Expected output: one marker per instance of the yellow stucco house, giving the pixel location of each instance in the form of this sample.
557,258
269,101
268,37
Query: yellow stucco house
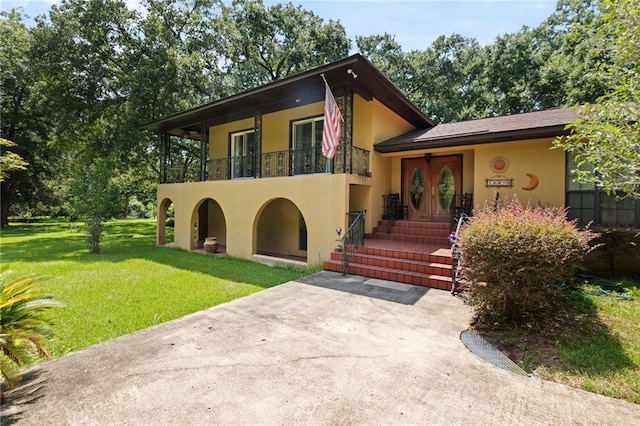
261,186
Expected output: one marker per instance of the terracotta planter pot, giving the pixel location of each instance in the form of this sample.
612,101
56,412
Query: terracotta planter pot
211,244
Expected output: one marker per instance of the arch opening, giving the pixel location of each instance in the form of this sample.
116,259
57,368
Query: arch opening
208,220
281,231
166,222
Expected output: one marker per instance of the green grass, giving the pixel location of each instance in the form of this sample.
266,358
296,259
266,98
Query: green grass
594,344
132,284
604,355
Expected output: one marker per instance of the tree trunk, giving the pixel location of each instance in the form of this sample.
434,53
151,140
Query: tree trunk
126,206
5,202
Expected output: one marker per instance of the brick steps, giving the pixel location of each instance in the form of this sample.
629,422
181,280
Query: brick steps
389,274
424,239
411,252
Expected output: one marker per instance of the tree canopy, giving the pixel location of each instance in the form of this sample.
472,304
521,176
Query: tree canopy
605,139
77,85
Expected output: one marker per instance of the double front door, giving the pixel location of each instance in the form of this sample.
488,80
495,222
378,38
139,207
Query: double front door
429,184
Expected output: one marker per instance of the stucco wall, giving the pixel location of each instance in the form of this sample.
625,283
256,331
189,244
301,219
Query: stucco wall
385,124
527,156
322,199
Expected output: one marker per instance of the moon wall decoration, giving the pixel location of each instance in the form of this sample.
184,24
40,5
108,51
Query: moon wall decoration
533,182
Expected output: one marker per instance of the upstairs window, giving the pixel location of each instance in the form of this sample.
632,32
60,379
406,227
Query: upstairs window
243,152
306,146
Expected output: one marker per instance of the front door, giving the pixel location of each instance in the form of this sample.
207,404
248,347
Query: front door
429,184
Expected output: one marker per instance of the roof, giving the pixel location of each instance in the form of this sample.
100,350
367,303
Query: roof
300,89
530,125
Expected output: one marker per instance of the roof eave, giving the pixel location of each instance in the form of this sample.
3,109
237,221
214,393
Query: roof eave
474,139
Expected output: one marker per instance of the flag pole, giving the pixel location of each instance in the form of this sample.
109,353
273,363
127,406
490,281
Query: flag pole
334,99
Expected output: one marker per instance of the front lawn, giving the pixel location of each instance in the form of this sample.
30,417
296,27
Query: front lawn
593,344
132,284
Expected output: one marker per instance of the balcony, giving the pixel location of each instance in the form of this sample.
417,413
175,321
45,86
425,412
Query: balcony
275,164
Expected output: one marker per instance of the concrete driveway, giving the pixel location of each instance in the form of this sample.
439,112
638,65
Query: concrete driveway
307,352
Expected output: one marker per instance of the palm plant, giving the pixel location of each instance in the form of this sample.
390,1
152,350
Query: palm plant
24,325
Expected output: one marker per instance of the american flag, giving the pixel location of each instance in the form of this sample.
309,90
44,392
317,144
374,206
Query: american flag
331,128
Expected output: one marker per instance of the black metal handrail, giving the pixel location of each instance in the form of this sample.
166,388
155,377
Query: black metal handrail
219,168
456,252
181,174
243,166
286,163
461,204
307,161
275,164
353,238
360,161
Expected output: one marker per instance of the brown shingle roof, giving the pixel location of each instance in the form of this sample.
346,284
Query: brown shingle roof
530,125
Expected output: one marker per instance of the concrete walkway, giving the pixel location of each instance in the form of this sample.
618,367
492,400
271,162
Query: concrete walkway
327,350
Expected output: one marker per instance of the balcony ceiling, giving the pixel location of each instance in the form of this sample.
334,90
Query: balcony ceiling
300,89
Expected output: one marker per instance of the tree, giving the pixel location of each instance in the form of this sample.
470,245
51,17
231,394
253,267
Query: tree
605,136
444,80
512,69
265,44
563,43
449,79
387,55
9,161
23,120
95,198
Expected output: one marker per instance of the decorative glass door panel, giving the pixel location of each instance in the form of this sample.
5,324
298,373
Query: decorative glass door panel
445,182
415,194
446,188
416,189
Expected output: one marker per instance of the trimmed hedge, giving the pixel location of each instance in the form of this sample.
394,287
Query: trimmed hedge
516,258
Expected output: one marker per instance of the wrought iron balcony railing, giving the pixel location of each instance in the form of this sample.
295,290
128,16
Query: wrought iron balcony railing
273,164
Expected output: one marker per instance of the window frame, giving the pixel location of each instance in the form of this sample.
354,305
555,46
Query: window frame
297,165
592,199
233,156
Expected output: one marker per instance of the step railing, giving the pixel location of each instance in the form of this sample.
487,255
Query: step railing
456,253
393,209
353,238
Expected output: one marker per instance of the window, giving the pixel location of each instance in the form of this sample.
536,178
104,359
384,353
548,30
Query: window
589,204
306,146
243,151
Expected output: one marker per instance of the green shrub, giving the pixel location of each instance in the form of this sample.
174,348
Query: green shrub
515,259
137,210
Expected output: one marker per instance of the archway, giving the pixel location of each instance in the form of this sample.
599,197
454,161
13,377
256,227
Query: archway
208,221
166,221
281,231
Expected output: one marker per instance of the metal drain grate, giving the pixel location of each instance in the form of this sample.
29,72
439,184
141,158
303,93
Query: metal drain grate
486,351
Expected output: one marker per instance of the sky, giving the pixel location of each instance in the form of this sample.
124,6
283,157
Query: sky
414,23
